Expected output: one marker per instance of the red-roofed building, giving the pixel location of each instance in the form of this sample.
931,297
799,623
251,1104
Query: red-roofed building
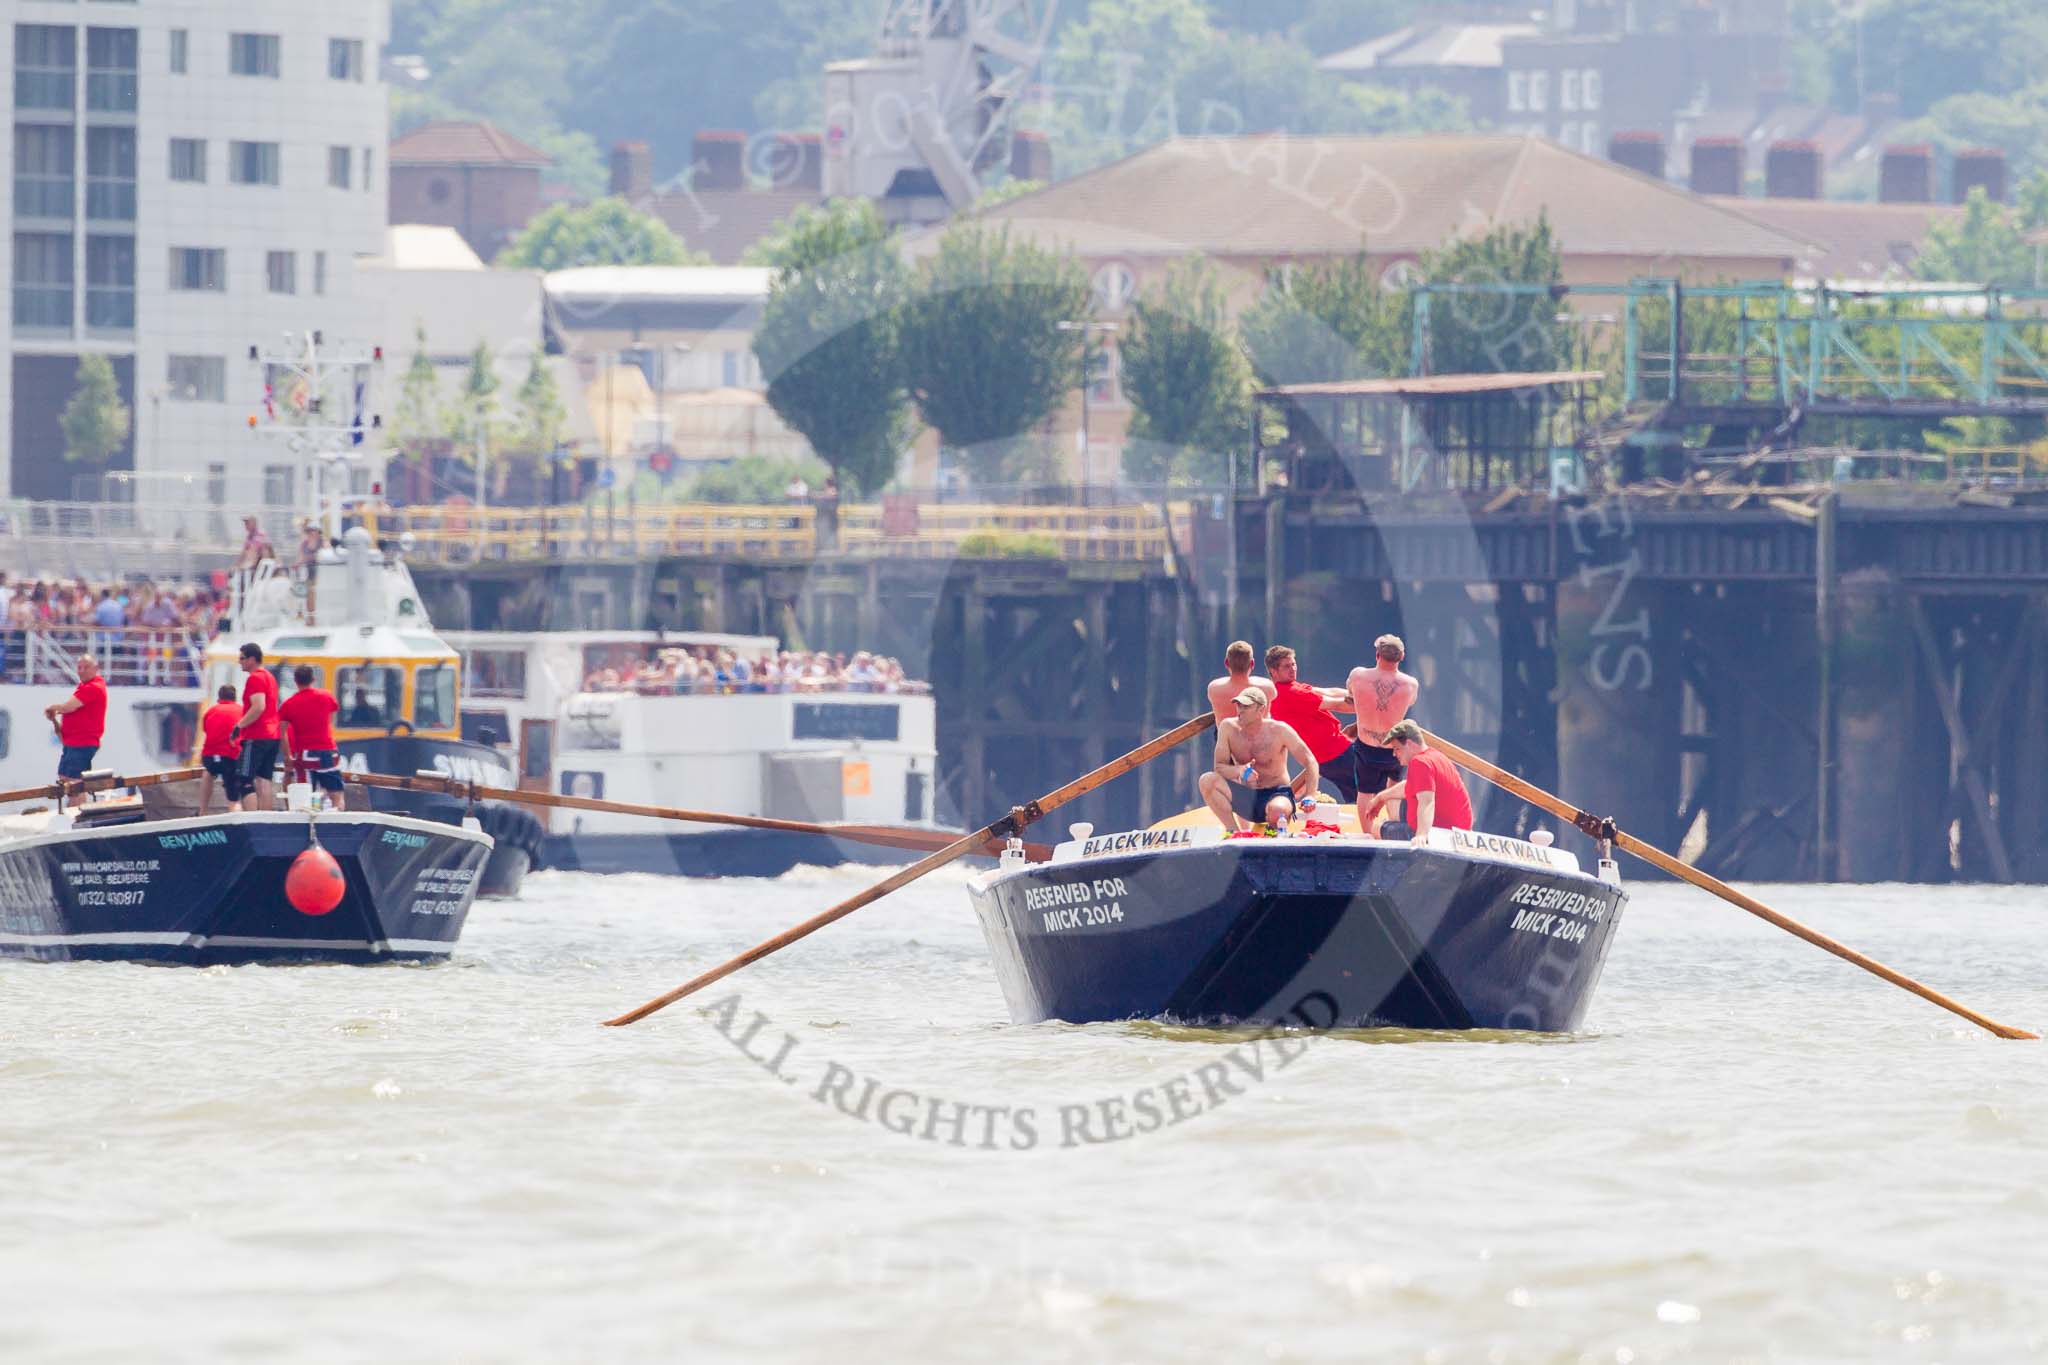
475,178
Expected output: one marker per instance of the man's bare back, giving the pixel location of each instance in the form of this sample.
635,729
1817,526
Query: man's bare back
1382,695
1223,692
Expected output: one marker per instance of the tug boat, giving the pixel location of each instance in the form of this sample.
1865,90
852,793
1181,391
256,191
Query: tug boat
1180,923
111,885
357,619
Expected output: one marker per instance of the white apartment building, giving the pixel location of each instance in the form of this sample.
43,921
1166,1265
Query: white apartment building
189,179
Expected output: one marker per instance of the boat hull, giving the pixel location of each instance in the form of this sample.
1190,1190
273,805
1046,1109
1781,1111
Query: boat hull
211,890
517,831
1309,932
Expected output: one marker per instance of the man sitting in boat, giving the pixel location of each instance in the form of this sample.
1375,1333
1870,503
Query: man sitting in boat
220,753
1253,748
81,719
1434,791
1223,691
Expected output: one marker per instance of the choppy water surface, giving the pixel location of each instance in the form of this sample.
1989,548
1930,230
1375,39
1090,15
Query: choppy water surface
1756,1153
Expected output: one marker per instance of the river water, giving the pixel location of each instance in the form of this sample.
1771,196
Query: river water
1754,1153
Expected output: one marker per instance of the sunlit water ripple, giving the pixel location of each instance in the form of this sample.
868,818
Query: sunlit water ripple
1754,1153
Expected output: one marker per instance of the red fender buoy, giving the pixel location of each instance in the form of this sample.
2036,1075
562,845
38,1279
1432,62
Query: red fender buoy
314,884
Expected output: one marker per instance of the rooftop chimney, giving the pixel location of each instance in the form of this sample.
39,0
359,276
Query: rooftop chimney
796,161
632,172
1030,157
719,160
1979,168
1792,170
1639,150
1906,175
1717,165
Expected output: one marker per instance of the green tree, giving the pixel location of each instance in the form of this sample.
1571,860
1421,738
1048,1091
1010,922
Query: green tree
1928,50
476,410
540,408
1489,333
752,479
608,232
1189,385
418,417
95,422
829,340
1327,320
1116,72
997,195
985,356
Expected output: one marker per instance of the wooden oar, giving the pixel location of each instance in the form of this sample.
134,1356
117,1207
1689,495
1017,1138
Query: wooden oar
1012,823
888,836
1599,828
81,786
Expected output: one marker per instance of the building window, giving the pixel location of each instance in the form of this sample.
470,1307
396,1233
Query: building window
254,54
45,66
345,59
277,485
1103,389
338,167
188,160
110,283
45,165
200,269
1568,90
252,163
281,272
110,174
42,279
181,43
319,272
1539,91
369,181
438,190
1518,91
1589,88
197,378
1568,133
1589,138
110,61
1113,287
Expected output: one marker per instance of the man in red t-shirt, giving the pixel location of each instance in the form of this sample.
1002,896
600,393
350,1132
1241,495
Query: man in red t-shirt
1307,710
220,753
308,716
1435,793
257,729
81,719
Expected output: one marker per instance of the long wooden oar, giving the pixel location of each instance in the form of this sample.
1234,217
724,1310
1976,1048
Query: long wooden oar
83,786
1599,828
1015,821
887,836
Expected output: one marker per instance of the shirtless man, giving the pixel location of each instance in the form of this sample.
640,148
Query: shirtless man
1237,664
1252,737
1381,695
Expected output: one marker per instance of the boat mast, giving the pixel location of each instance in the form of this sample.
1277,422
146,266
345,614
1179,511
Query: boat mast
317,402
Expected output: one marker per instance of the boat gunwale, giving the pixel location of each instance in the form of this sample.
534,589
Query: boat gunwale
262,817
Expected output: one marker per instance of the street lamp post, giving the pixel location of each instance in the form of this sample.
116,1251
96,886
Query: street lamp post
1086,328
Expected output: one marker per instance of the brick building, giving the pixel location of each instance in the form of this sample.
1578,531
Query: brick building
475,178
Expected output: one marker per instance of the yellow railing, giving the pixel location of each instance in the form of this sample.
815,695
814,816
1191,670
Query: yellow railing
464,535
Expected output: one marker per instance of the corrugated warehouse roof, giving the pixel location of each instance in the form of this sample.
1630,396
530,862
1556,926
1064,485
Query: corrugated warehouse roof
1277,195
1437,385
612,284
464,144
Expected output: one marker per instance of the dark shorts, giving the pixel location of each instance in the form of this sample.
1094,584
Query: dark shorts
326,767
76,760
1377,768
259,759
228,770
1260,797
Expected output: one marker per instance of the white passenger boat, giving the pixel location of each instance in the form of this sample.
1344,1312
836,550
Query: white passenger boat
864,757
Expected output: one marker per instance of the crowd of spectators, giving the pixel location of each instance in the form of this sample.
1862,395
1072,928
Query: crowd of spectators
141,632
701,669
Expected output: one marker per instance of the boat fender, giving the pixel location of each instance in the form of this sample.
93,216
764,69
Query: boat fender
313,883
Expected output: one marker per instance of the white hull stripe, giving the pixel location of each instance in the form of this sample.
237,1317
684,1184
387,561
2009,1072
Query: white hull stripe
197,942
